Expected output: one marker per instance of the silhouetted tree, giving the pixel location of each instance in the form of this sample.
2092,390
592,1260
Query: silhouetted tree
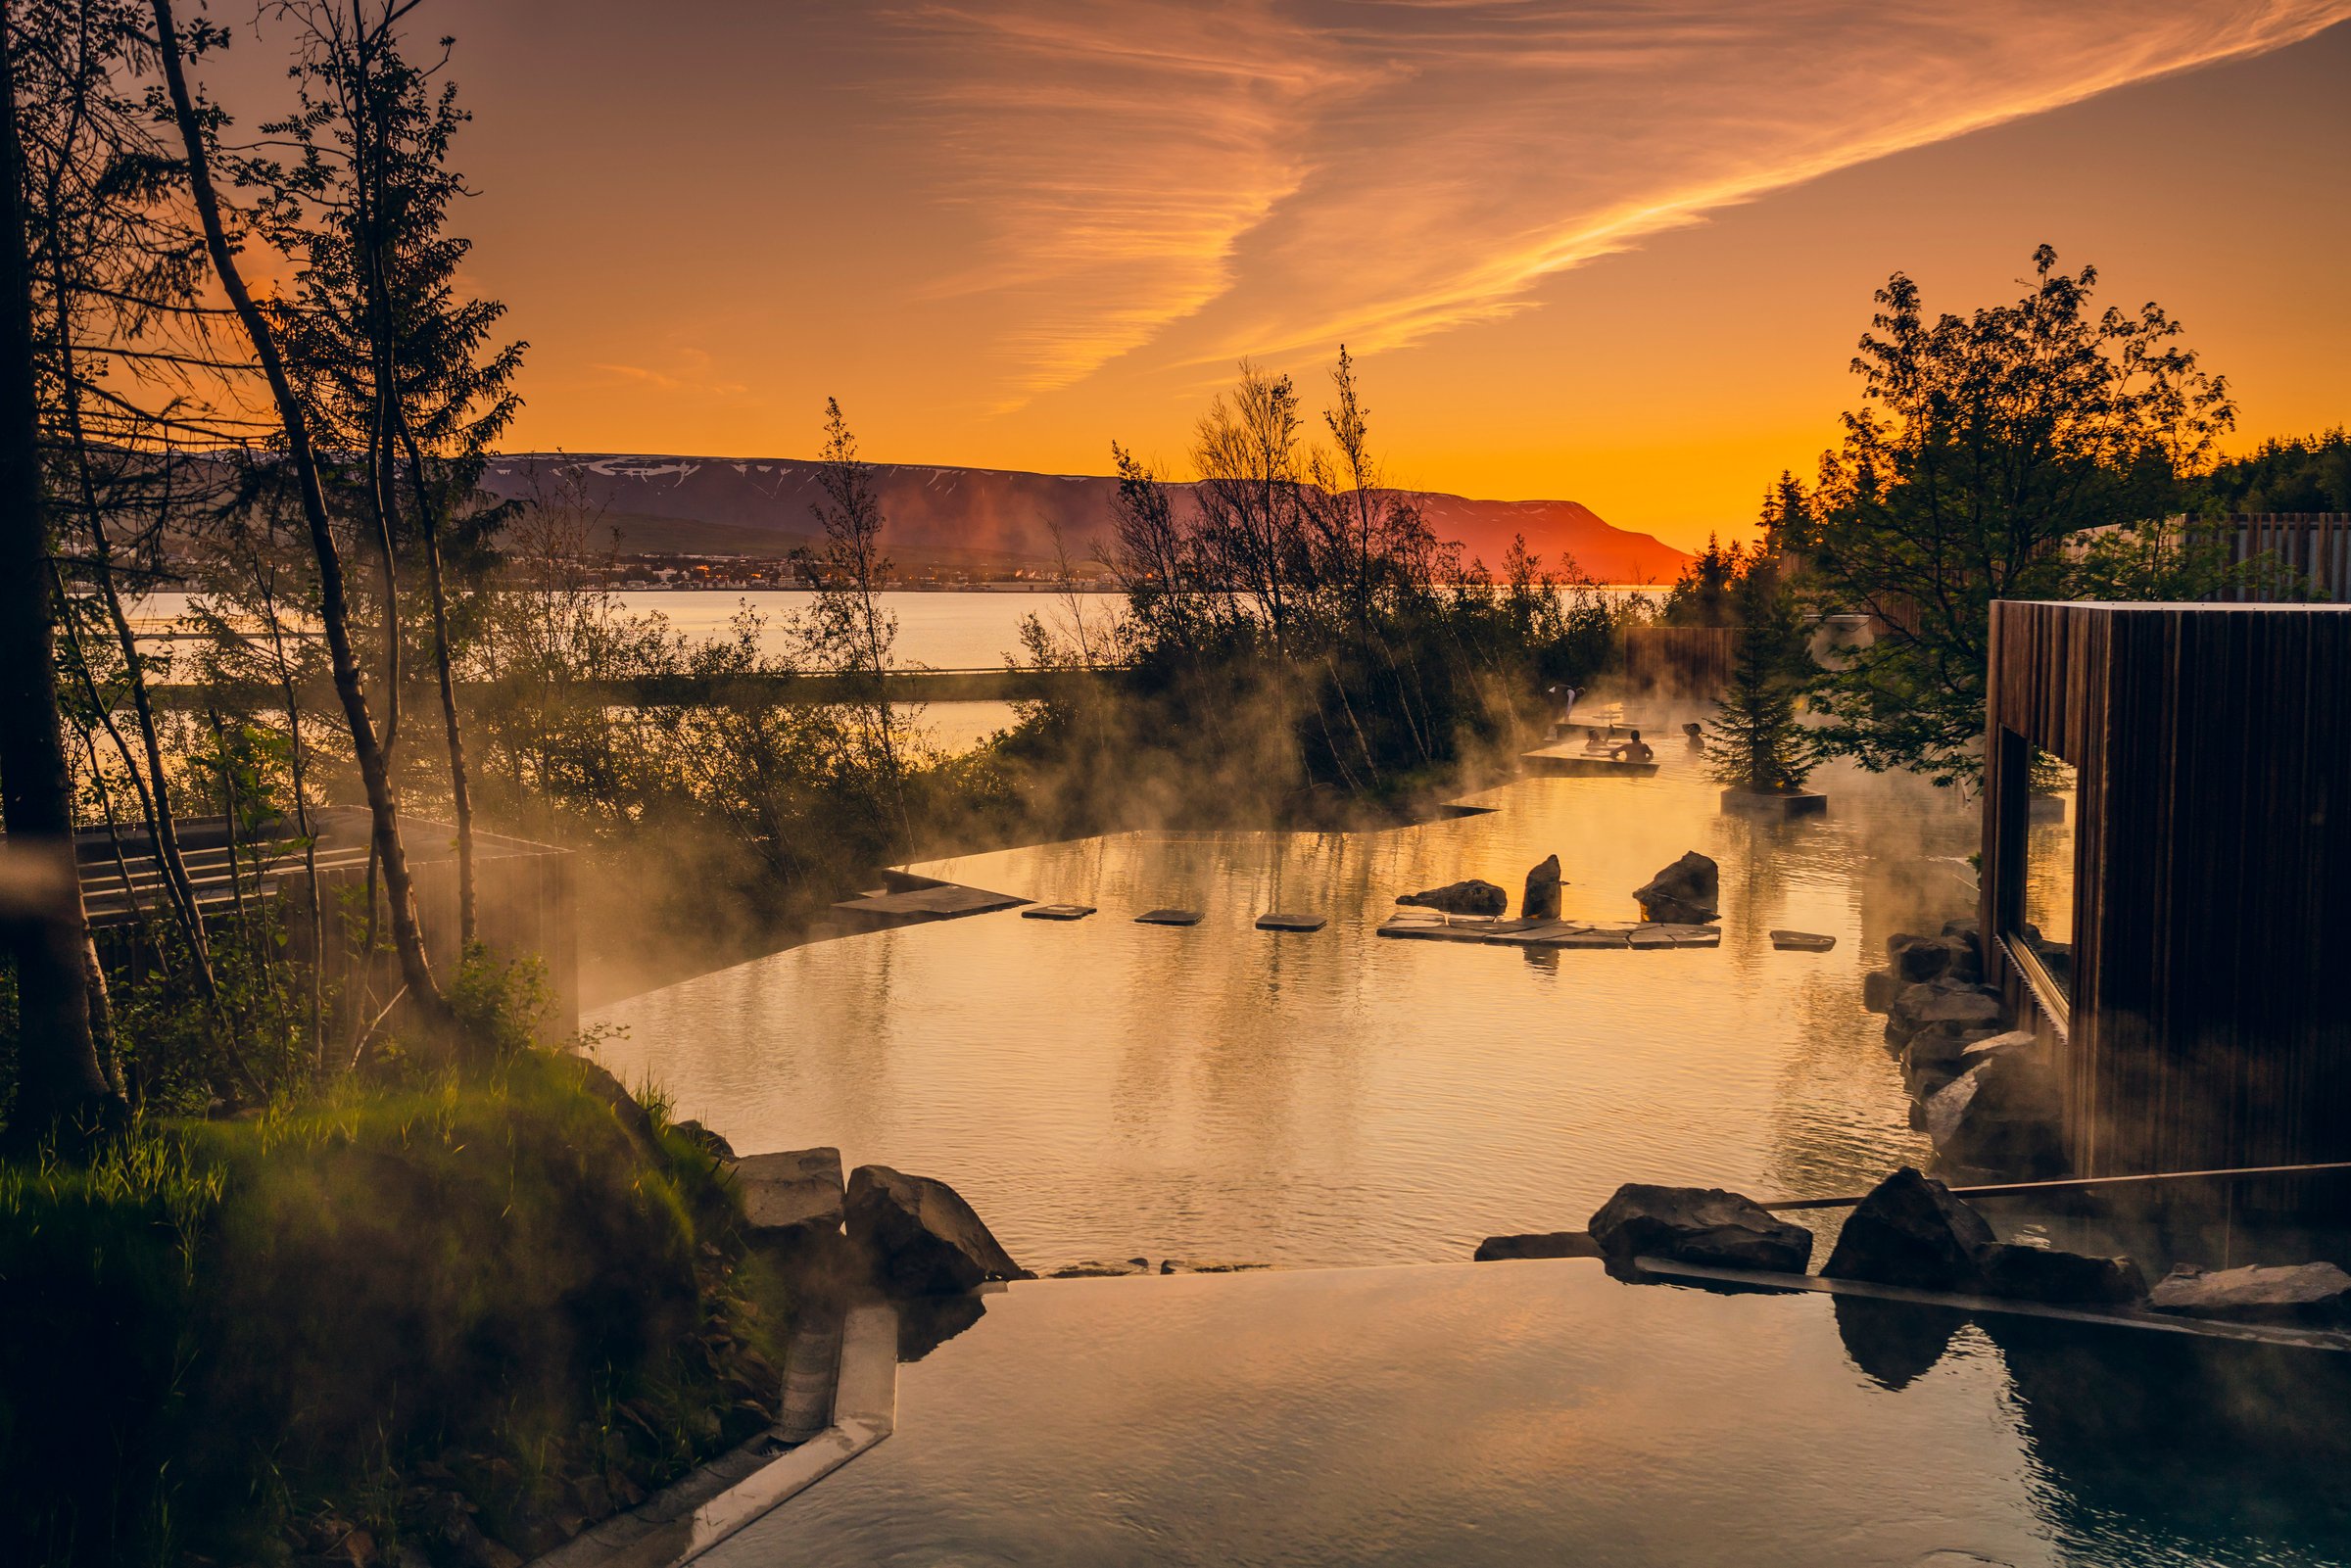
60,1086
196,130
1985,445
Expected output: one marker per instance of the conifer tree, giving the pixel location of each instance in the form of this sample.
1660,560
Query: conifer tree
1757,743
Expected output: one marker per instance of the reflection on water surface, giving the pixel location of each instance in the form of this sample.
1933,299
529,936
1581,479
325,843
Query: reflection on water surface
1105,1089
1524,1413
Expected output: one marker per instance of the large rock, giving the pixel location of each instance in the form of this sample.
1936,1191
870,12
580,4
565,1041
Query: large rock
1687,892
1919,958
1878,988
1911,1231
1542,898
2305,1293
1999,1114
1697,1225
1474,897
2045,1274
1958,1003
792,1196
919,1236
1935,1057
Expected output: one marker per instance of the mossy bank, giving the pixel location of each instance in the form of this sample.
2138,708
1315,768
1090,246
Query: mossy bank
447,1321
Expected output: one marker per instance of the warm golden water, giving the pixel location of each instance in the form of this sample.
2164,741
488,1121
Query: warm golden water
1107,1089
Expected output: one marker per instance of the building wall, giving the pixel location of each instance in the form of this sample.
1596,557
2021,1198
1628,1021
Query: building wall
2210,1020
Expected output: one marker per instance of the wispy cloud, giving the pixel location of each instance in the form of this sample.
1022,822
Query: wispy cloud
1175,184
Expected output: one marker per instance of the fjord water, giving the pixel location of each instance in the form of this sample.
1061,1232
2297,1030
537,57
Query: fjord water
1104,1089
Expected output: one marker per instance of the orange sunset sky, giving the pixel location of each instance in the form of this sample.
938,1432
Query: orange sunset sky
1614,252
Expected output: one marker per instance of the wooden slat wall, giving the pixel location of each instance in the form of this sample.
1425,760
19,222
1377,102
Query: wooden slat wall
2210,1024
1679,660
2317,544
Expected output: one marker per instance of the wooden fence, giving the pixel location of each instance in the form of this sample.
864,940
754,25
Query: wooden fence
2317,544
1691,661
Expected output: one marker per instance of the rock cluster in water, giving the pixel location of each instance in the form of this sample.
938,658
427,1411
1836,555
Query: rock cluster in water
1985,1094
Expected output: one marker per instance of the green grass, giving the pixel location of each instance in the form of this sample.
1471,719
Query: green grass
218,1330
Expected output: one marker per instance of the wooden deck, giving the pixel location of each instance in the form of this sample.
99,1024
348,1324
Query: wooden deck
1569,760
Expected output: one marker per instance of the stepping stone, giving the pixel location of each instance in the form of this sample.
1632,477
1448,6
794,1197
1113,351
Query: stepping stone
1698,936
1802,942
1426,930
1593,937
1290,923
1650,938
1168,917
1056,912
1543,933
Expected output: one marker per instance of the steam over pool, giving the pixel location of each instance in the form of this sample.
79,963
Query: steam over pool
1108,1089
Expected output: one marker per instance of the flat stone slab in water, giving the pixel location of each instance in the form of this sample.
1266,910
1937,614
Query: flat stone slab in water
1592,936
1056,912
1802,942
946,901
1168,917
1432,926
1290,923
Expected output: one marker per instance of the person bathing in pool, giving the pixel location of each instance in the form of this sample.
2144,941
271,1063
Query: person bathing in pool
1634,750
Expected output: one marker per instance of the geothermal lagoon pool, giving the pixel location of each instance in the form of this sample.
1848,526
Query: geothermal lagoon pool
1541,1413
1104,1089
1336,1103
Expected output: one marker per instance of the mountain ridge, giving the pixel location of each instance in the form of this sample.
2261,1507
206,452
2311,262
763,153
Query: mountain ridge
1002,512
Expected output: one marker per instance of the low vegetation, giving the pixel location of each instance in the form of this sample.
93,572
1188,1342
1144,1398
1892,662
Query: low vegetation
415,1307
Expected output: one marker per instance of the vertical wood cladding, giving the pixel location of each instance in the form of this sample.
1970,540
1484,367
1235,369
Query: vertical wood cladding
2210,1018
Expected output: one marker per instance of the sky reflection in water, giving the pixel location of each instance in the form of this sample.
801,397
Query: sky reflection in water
1106,1089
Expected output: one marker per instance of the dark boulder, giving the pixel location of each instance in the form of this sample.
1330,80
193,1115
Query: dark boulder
1999,1114
1909,1231
919,1237
1936,1056
1697,1225
1537,1244
1688,892
1474,897
1878,988
2044,1275
1942,1001
1919,958
2310,1295
1542,898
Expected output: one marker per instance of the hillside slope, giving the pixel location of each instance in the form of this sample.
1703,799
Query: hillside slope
993,512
